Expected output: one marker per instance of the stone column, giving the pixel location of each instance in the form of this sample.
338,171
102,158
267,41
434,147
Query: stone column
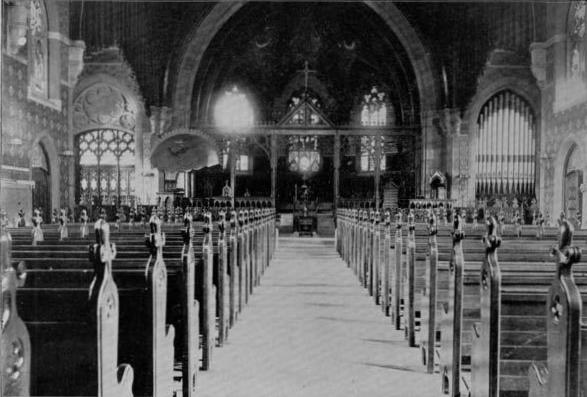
336,164
273,161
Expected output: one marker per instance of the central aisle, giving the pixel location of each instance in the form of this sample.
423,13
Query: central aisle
311,330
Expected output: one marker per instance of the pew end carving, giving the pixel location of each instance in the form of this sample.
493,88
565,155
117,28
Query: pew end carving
563,375
190,306
113,379
15,357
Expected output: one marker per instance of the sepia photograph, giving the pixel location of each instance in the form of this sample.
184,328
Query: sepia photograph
329,198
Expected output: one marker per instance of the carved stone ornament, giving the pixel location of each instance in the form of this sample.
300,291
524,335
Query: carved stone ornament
38,69
102,105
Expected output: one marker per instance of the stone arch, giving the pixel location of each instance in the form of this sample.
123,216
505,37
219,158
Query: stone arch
51,150
132,118
200,38
575,142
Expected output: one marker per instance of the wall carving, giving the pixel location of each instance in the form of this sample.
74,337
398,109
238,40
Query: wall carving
38,72
101,106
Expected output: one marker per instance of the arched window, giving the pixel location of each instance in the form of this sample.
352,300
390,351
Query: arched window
506,142
233,111
106,159
576,41
375,109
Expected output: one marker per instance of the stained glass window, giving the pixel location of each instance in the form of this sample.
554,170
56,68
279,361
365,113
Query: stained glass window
367,162
106,166
374,109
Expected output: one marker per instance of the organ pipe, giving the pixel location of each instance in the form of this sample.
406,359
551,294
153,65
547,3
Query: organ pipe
510,149
506,144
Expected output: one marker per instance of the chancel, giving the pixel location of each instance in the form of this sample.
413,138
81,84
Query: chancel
333,198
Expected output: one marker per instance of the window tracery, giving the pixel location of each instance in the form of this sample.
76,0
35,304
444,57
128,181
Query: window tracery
374,109
106,160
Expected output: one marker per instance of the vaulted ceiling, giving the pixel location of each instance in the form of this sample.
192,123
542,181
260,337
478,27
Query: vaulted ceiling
349,49
264,45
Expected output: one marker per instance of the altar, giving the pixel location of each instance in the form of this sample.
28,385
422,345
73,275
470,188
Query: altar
305,225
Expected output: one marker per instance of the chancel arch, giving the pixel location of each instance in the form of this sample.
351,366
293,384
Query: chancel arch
200,38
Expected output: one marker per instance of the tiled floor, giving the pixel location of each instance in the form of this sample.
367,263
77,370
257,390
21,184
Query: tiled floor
311,330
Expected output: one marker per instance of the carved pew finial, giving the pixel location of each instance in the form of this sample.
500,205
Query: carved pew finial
457,234
187,232
233,222
156,239
398,219
411,221
492,240
222,223
566,255
432,224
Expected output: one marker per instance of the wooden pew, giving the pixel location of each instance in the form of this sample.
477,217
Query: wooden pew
142,310
494,370
261,239
428,334
190,312
527,272
81,322
347,225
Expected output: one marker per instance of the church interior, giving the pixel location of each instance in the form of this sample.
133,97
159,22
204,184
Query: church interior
272,181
